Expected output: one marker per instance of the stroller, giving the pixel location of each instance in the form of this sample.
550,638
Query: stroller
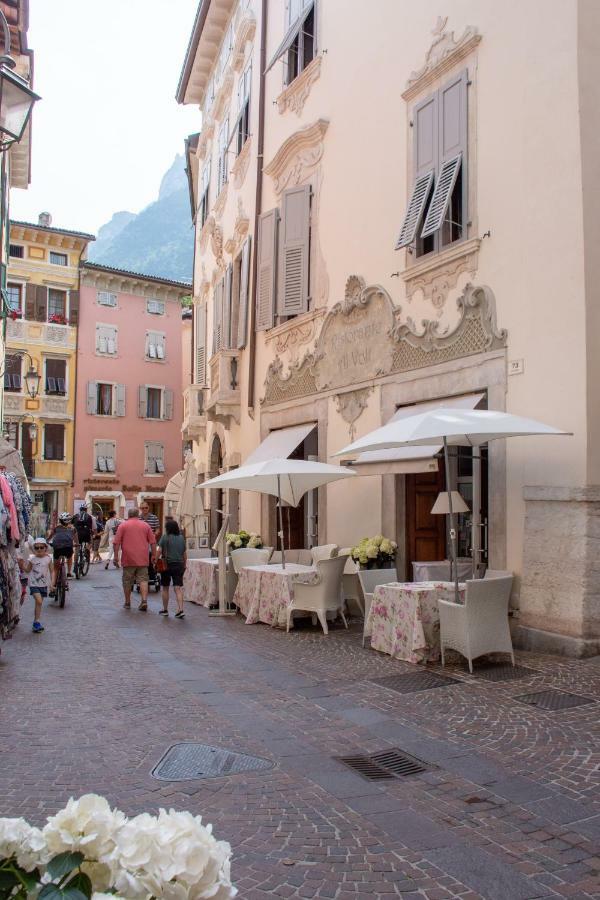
153,577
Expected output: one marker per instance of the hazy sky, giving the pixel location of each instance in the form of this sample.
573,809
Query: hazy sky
108,125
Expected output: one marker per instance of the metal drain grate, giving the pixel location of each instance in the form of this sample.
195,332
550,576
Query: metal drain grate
384,765
503,672
186,761
414,681
554,700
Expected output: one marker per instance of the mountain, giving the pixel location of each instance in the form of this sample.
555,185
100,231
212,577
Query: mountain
157,241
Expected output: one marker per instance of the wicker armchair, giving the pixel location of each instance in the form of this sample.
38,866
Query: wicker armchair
250,556
319,592
323,551
481,625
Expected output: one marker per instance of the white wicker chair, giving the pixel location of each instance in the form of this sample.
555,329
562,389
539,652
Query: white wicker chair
351,588
497,573
250,556
369,580
320,592
324,551
481,625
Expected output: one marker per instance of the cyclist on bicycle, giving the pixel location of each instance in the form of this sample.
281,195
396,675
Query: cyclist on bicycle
85,525
63,538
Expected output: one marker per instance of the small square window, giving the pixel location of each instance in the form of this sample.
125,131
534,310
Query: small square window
155,307
14,298
59,259
106,298
16,251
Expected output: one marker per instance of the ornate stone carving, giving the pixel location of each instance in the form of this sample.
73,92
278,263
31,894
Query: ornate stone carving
211,230
241,163
445,52
14,404
244,32
220,202
15,329
223,96
55,405
366,324
298,156
298,332
240,230
294,96
205,232
350,406
208,130
57,334
437,276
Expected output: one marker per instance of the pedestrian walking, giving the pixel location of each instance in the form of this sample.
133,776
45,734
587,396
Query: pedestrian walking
110,529
172,551
96,538
39,569
135,544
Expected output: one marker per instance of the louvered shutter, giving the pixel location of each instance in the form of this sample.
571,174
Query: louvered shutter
295,244
425,155
200,338
414,212
30,294
227,342
73,307
218,316
41,303
142,401
92,397
120,399
267,268
168,404
244,287
452,136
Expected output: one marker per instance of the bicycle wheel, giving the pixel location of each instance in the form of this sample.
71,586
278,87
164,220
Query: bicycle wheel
85,563
61,594
76,568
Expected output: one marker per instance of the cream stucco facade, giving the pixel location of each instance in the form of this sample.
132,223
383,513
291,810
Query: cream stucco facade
341,329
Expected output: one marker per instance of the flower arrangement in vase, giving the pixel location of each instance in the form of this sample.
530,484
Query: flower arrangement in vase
376,552
249,539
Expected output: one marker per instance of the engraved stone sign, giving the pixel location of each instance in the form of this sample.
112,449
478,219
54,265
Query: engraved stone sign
355,343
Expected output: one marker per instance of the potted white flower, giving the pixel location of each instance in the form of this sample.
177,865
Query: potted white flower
376,552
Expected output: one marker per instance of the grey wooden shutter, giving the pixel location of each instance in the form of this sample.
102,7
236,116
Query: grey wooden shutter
244,286
295,246
41,303
120,400
92,397
452,139
168,404
218,316
30,295
73,307
414,211
267,269
227,341
200,338
142,401
425,155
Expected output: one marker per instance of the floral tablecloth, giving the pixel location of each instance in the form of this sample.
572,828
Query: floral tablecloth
404,619
200,581
263,593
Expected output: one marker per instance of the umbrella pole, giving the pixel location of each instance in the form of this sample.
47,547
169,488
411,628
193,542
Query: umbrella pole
281,522
453,565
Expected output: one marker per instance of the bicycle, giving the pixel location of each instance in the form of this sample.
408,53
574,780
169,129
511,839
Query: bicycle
61,588
82,561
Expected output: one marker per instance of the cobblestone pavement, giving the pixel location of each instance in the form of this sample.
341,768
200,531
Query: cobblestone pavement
508,808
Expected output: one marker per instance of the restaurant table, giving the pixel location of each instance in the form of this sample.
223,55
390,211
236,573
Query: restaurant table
404,619
200,581
264,593
439,570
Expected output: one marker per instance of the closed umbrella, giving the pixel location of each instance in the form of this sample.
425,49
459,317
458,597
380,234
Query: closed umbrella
172,492
189,510
286,479
456,427
11,460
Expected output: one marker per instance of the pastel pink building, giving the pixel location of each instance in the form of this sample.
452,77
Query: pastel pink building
129,388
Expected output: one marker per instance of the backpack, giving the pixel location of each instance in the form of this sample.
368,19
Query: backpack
62,539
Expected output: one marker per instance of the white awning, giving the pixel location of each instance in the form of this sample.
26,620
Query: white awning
280,443
407,460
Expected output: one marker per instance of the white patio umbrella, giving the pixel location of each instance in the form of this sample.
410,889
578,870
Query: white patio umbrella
456,427
190,509
286,479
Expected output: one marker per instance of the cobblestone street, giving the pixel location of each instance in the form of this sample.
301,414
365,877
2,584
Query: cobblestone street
507,809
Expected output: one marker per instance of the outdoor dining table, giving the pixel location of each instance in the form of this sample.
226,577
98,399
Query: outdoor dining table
263,593
404,619
200,581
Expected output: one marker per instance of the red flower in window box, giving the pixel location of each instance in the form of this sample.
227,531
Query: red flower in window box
14,314
57,319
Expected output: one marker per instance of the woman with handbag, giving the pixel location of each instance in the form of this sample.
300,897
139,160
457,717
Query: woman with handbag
171,566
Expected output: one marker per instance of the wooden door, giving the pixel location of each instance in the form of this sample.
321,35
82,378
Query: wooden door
425,534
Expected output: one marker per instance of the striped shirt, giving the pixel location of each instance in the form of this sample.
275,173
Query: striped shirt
152,521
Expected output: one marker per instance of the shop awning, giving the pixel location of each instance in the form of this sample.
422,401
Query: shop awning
280,443
407,460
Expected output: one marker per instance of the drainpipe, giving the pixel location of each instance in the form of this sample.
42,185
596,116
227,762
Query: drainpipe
76,367
257,205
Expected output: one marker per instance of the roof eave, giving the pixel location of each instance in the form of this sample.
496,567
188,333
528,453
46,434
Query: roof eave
190,55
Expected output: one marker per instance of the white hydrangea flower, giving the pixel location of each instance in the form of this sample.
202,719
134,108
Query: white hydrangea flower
88,825
18,838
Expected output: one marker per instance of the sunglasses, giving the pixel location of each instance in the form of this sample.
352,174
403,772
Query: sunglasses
39,546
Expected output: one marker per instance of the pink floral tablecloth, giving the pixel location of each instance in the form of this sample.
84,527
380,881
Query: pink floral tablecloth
200,581
264,593
404,619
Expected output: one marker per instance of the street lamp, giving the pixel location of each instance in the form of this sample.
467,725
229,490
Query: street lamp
32,379
33,431
16,97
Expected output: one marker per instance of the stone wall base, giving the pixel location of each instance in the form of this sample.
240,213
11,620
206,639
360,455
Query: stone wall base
538,641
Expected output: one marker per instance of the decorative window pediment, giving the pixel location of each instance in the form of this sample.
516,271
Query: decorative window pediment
298,156
445,52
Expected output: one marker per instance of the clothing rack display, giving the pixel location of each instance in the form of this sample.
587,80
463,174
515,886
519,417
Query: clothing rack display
15,518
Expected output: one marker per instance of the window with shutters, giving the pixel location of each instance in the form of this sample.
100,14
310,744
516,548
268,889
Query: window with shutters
200,343
106,298
54,442
222,172
299,45
225,52
14,298
203,205
57,306
267,269
218,295
242,127
56,376
17,251
12,372
106,339
155,307
239,297
59,259
436,213
104,399
154,458
105,456
153,403
294,252
12,432
156,346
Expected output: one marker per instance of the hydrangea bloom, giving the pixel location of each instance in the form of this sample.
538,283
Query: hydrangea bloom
87,824
23,841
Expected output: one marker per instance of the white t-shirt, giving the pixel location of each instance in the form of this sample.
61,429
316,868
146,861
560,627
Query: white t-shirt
39,576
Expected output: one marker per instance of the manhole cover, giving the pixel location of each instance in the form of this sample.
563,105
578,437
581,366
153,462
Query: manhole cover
414,681
503,672
384,765
554,700
186,761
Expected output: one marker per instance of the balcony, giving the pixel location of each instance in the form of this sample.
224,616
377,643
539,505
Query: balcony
224,394
60,336
194,412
